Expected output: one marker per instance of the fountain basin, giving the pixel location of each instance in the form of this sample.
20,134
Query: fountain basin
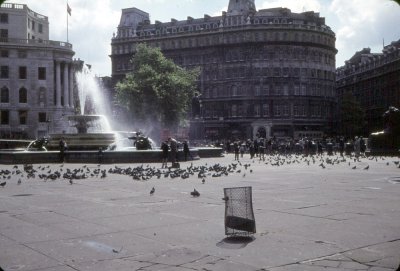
93,141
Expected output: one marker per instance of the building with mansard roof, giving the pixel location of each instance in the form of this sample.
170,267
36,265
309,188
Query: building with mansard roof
268,72
374,80
36,81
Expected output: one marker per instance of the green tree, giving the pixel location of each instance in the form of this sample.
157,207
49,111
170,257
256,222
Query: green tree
397,1
157,91
352,116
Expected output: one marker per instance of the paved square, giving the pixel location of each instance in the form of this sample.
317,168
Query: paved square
311,214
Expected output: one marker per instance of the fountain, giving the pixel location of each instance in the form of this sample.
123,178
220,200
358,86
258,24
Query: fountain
89,130
90,138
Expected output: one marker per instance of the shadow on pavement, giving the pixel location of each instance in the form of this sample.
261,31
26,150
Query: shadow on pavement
235,242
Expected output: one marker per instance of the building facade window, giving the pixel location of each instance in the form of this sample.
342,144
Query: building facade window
299,110
265,110
23,116
42,73
4,53
5,95
286,110
3,34
234,110
235,91
3,18
4,72
40,28
23,96
256,110
42,96
42,117
296,89
4,117
22,72
266,90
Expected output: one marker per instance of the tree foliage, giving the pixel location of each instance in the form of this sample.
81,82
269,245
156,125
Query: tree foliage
157,90
352,115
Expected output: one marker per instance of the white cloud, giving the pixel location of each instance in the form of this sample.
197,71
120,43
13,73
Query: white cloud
364,23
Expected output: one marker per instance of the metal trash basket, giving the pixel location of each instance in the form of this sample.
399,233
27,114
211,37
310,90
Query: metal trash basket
239,215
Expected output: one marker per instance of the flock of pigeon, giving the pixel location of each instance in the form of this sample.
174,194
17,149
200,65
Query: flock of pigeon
139,173
144,173
324,161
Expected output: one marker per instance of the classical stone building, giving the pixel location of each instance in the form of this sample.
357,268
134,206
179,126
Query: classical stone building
269,72
374,80
36,78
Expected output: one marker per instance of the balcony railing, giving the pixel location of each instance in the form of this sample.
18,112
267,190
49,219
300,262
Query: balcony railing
37,42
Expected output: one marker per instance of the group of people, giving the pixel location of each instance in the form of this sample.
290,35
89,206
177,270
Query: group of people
260,147
170,150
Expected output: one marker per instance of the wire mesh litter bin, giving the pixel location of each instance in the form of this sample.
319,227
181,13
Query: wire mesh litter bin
239,215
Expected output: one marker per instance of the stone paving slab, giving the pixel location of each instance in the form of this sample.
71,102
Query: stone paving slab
307,217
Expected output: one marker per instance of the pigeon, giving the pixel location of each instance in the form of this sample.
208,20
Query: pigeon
354,167
195,193
203,181
366,168
152,191
19,181
3,184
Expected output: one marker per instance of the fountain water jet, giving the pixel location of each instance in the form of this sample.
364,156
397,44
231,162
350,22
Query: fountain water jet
90,130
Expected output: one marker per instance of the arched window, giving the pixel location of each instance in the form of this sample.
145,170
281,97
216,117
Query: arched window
23,95
5,98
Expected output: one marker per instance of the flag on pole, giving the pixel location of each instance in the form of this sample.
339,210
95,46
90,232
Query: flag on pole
68,10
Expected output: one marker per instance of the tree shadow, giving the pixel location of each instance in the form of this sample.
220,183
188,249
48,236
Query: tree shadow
235,242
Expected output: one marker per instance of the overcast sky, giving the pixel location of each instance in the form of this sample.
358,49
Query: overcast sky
357,23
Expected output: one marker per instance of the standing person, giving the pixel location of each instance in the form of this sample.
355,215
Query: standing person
62,146
242,149
164,148
363,147
255,146
319,147
174,149
236,150
261,149
186,151
251,151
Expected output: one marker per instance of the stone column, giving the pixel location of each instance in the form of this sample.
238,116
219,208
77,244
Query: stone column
66,85
71,86
58,84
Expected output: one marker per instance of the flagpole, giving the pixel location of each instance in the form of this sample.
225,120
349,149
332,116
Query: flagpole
67,22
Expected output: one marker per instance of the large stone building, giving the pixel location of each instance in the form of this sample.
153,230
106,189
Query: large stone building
374,80
36,79
269,72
